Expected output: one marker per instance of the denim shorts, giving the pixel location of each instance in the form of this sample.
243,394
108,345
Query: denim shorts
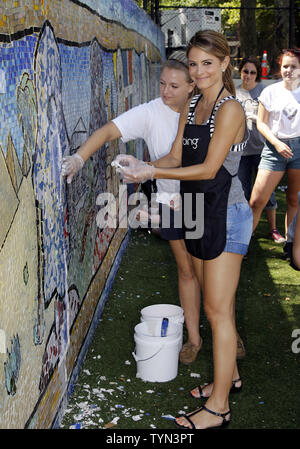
239,228
271,159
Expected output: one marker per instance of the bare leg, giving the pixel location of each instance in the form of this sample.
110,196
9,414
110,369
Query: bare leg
265,182
271,216
292,194
220,281
189,290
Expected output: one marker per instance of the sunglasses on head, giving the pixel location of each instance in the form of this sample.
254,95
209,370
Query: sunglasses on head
252,72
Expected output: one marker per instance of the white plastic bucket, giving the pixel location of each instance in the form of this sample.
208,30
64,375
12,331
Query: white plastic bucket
156,357
159,311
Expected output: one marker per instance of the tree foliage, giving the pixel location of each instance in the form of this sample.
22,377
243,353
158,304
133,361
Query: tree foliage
267,28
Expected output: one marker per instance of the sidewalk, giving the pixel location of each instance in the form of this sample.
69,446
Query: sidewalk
108,394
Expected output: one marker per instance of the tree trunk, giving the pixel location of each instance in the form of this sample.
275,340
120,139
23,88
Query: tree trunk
281,23
248,36
281,34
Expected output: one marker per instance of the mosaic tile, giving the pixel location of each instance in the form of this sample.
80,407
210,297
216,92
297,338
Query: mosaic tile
65,69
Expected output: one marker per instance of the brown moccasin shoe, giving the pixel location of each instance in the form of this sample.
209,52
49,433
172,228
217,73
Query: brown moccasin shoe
189,352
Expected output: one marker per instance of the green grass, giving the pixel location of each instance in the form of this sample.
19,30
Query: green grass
268,310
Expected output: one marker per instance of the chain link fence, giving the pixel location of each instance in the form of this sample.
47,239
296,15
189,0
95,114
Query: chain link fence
274,28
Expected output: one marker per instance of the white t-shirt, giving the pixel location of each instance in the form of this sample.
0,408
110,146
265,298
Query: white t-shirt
157,124
283,106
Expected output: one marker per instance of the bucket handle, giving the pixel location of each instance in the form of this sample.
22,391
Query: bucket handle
148,358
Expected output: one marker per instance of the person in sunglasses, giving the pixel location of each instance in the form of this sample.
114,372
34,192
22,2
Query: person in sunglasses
248,92
279,122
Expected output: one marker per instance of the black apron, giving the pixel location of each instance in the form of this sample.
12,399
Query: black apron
196,140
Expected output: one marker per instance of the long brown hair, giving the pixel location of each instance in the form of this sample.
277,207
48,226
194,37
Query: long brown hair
216,44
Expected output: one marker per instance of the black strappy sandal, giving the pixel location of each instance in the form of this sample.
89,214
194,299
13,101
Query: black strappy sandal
224,423
233,389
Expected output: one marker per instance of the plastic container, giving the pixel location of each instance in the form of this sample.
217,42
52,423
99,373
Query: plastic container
158,311
156,356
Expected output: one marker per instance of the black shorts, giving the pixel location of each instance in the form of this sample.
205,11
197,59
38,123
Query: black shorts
170,231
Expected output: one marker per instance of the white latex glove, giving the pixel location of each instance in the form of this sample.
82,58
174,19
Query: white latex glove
251,116
146,214
143,214
124,160
175,202
71,165
132,169
141,172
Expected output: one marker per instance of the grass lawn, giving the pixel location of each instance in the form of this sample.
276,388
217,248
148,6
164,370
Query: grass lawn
107,391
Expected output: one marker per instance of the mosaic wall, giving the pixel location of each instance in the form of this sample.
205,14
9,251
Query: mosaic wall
66,67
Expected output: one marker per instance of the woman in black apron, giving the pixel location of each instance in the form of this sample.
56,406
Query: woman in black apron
212,130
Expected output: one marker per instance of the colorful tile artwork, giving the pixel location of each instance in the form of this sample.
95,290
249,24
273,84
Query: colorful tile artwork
66,68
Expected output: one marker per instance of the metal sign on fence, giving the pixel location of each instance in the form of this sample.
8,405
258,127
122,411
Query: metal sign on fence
179,25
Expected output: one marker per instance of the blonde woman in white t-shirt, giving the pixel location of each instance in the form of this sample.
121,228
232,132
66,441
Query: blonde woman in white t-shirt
156,122
279,122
